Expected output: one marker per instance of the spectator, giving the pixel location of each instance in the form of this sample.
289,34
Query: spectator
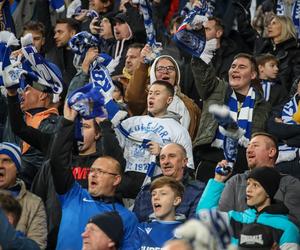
173,163
226,48
284,124
159,128
132,62
246,104
11,208
33,218
264,225
79,204
61,54
274,92
163,68
99,234
281,40
98,140
262,151
41,116
9,238
127,30
166,195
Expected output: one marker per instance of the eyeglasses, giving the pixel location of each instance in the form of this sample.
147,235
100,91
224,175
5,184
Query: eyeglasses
161,69
99,171
6,161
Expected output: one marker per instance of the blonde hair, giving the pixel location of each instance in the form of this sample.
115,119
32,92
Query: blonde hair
288,29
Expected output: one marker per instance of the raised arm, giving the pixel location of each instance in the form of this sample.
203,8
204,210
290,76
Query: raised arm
61,152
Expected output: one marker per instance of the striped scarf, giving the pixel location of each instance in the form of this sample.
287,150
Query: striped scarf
243,118
192,40
266,86
287,153
150,31
281,10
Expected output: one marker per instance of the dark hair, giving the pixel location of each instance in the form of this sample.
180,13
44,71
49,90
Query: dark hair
136,46
34,26
168,86
272,138
175,185
250,58
218,22
10,206
72,23
119,86
262,59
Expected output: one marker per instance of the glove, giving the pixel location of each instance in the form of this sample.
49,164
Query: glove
230,127
209,50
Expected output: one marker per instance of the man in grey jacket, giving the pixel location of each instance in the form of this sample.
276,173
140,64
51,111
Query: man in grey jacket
262,151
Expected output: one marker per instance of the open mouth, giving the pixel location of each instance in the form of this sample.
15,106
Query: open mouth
166,78
156,206
150,104
235,77
2,172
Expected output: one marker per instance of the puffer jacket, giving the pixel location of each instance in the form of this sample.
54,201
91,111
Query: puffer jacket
216,91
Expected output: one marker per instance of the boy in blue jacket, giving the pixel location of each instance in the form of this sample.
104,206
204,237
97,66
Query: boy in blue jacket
166,195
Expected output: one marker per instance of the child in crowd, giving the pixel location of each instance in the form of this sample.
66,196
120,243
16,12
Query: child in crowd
273,92
166,195
264,225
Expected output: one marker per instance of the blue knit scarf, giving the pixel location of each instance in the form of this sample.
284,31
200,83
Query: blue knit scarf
281,11
287,153
243,118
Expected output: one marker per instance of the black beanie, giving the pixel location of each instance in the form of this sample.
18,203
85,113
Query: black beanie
268,177
111,224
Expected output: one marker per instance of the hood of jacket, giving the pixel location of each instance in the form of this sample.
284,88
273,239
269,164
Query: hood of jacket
171,115
153,66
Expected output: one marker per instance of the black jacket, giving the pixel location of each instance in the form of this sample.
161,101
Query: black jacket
43,185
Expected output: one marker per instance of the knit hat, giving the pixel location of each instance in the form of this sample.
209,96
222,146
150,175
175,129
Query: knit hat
13,151
111,224
268,177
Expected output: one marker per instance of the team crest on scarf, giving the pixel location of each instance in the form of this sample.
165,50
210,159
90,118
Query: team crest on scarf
192,40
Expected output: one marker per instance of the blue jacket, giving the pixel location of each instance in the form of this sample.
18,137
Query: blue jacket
77,207
152,235
256,228
192,193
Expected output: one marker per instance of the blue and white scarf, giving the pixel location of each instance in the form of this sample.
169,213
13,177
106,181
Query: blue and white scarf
57,5
192,41
40,70
79,44
295,12
287,153
231,135
266,86
150,31
243,118
100,77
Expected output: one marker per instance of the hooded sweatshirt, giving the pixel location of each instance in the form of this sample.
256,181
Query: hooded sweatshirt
163,130
177,105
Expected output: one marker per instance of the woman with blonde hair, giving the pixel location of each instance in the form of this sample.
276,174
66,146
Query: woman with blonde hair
280,40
